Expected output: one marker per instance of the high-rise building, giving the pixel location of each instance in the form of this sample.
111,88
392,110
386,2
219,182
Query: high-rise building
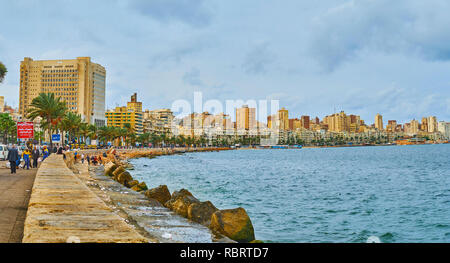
246,118
424,125
392,126
131,114
337,122
295,124
79,82
305,122
432,124
379,122
444,128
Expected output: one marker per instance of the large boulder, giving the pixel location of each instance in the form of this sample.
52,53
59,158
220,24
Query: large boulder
180,202
133,183
118,171
160,193
124,178
201,212
233,223
109,168
139,187
143,186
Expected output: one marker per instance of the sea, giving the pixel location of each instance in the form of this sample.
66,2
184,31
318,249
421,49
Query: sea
388,194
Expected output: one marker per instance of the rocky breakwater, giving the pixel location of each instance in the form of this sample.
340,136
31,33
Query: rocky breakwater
232,223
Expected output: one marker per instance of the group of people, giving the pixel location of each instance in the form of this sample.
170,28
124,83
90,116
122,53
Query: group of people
15,158
31,156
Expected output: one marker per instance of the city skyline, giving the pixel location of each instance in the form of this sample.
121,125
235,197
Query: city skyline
166,50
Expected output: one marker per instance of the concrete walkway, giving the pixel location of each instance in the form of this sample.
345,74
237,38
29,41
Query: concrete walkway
63,209
15,191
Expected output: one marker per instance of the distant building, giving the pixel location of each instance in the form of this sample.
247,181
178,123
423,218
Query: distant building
79,82
444,129
305,122
379,122
157,121
432,124
245,118
132,114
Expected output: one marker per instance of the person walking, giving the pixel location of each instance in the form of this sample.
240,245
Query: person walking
45,153
82,158
13,156
35,155
26,158
88,159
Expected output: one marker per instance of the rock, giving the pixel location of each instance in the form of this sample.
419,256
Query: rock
201,212
233,223
160,193
257,242
179,193
118,171
143,186
136,188
124,178
109,168
133,183
180,202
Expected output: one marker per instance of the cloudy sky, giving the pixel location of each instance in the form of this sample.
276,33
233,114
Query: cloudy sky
364,57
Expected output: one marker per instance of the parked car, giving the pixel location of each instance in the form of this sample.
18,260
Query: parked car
3,152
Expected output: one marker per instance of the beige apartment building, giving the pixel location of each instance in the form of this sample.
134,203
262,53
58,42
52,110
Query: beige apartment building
246,118
79,82
379,122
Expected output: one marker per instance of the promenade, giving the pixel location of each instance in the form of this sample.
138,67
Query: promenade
15,191
63,209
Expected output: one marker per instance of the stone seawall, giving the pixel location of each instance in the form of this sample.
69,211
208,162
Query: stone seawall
63,209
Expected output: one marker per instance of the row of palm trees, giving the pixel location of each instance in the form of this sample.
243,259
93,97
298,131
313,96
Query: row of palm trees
55,117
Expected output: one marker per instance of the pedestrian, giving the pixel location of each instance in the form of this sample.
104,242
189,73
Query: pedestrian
60,150
88,159
45,153
26,158
13,156
35,155
82,158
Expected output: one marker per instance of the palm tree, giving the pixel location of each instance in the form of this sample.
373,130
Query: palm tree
50,109
3,72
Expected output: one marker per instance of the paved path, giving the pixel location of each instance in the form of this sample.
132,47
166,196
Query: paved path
15,191
63,209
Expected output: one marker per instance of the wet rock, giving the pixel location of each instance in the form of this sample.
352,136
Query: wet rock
180,193
109,168
118,171
124,178
143,186
160,193
133,183
136,188
233,223
201,212
180,202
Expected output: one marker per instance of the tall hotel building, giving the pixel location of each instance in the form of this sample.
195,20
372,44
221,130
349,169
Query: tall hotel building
79,82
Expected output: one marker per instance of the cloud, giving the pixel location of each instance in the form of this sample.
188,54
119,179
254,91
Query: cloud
410,27
258,59
192,12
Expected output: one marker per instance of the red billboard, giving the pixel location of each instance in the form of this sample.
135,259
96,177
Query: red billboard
25,130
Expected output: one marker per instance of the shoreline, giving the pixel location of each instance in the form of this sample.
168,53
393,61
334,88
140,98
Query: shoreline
226,225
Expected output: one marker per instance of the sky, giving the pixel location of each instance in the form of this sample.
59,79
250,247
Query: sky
316,57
